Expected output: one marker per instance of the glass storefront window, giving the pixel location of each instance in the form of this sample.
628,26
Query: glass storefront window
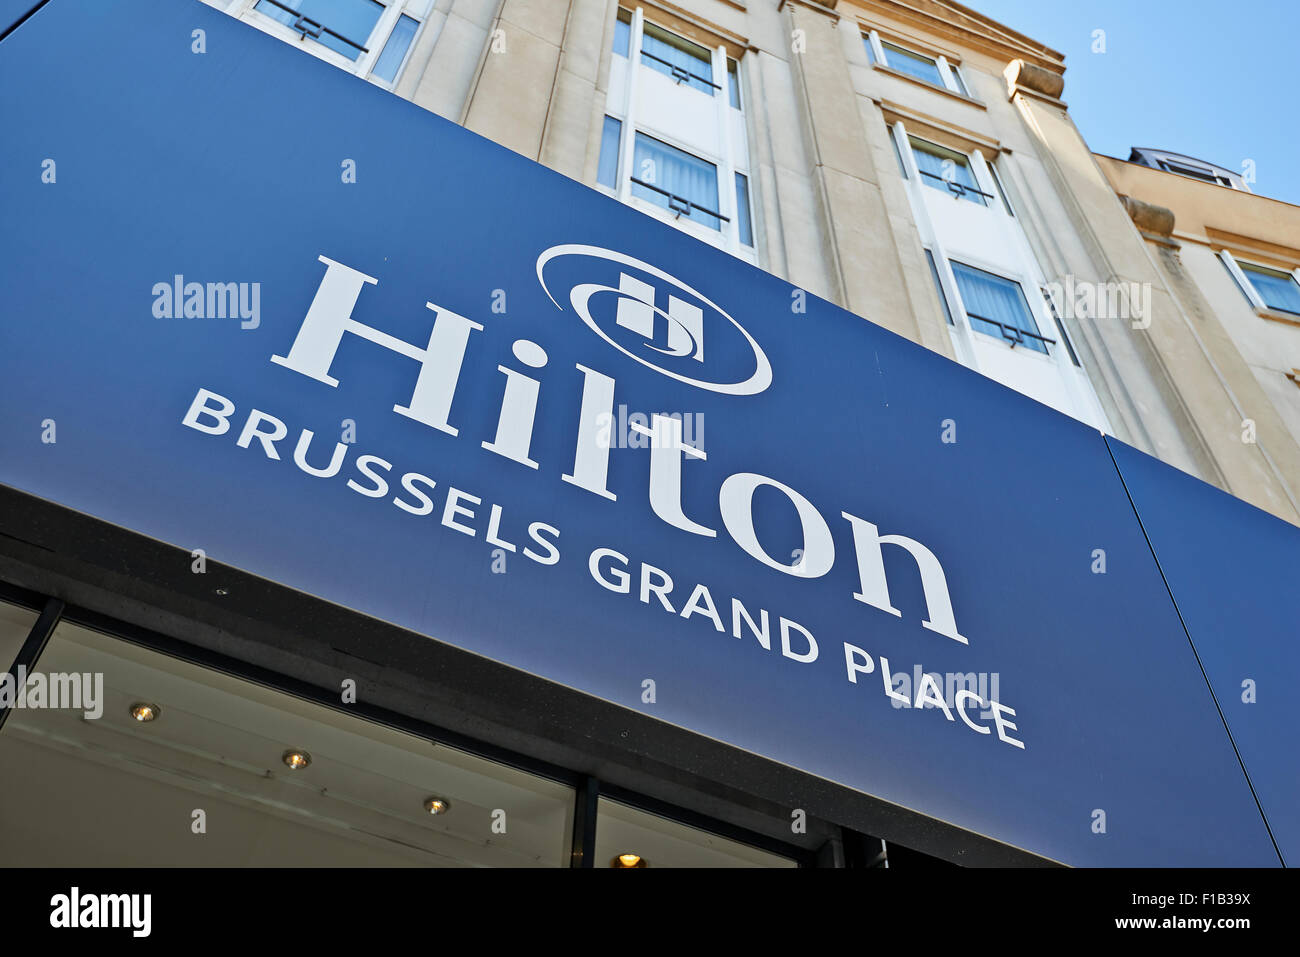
15,624
628,837
208,781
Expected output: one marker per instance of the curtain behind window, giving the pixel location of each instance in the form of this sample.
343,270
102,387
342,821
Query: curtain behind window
679,173
958,172
992,297
691,58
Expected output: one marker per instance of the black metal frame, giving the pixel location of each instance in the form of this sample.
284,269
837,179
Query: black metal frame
679,204
37,638
680,73
1013,334
308,27
954,187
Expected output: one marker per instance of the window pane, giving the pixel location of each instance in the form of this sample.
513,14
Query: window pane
607,170
938,287
733,83
947,170
913,64
15,623
668,170
997,180
354,19
114,791
956,75
1277,289
871,53
742,210
990,299
622,32
399,41
667,50
648,840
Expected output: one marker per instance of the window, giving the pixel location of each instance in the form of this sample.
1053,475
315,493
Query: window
663,153
673,56
746,228
1196,172
1002,190
938,286
607,169
997,307
629,837
934,71
676,181
1278,290
622,32
223,743
913,64
293,779
374,37
958,81
733,83
948,170
399,41
342,25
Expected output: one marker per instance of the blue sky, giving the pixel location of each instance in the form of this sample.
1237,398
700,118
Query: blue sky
1218,81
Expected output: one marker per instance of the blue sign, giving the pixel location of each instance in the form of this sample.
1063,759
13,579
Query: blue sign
256,306
1232,571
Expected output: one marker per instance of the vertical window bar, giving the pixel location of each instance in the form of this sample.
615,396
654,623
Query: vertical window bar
36,641
898,154
1060,326
938,287
586,800
1002,190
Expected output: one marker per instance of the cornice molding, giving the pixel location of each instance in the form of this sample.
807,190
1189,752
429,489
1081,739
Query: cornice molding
956,23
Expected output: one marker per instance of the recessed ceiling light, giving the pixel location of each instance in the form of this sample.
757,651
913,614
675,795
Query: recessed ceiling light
297,760
437,805
628,860
142,711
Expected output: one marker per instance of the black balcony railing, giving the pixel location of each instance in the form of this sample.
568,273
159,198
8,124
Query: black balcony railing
308,27
956,188
1013,334
680,204
680,73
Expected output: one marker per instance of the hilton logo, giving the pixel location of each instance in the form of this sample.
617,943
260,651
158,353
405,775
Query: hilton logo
688,315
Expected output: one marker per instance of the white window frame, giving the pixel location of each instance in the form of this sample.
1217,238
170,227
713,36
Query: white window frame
952,81
728,237
1248,288
1054,351
975,162
364,64
1189,169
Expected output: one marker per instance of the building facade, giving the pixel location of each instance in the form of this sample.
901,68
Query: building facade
912,163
